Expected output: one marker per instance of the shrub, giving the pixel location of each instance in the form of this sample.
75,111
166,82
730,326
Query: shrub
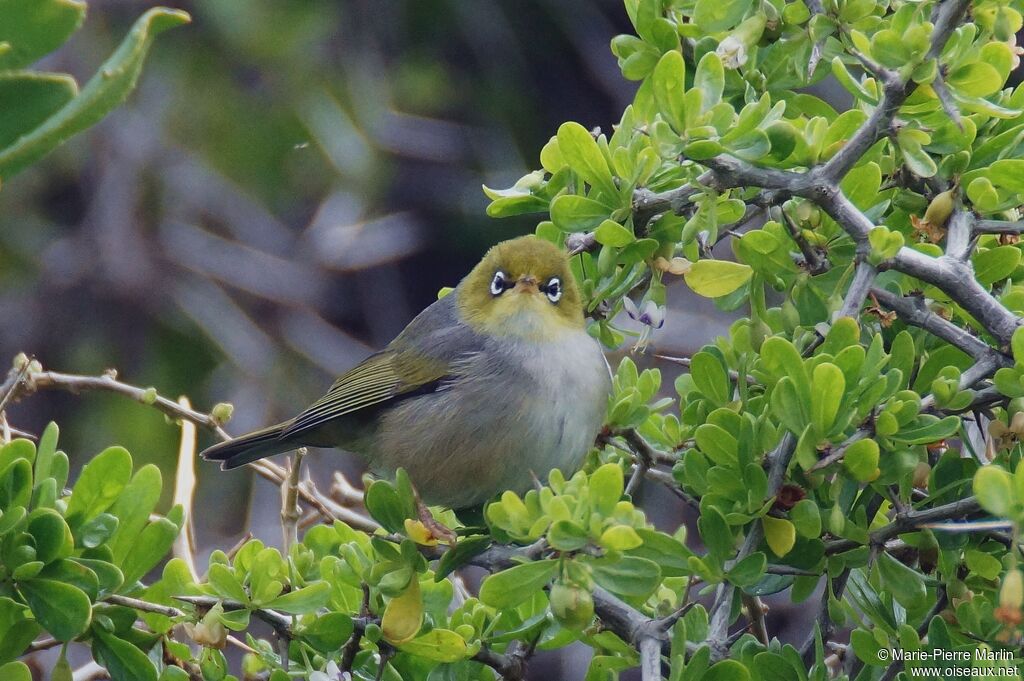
853,442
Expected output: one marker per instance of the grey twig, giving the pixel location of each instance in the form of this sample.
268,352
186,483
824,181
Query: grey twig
52,380
863,278
290,512
913,311
907,522
998,227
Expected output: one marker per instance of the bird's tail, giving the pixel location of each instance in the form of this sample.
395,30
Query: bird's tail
249,447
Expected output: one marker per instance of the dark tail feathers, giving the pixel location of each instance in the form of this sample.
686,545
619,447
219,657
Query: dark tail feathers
247,448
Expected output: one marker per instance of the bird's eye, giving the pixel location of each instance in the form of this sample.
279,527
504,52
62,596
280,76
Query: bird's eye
498,284
553,289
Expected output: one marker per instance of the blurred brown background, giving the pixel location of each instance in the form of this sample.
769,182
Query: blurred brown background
292,181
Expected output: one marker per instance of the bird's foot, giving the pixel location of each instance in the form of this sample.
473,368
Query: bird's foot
438,530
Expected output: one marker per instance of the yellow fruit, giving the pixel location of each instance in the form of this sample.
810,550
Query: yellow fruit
939,209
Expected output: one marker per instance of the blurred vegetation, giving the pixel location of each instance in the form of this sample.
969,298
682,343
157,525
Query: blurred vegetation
292,182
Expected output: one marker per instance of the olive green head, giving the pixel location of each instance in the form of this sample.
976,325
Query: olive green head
522,287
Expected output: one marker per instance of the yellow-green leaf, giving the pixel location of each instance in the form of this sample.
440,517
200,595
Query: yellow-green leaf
716,278
780,535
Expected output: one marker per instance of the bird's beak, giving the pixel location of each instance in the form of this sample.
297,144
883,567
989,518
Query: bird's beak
527,284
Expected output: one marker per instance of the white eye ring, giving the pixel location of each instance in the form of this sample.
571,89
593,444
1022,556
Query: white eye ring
498,283
553,289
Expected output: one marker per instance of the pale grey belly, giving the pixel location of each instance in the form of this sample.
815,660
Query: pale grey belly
496,442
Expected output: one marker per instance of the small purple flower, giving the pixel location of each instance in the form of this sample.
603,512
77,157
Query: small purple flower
652,314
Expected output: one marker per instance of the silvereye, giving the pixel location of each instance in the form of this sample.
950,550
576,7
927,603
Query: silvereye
491,385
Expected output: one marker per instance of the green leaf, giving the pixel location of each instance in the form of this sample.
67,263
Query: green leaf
667,552
16,629
611,233
714,531
439,645
511,587
463,552
1008,173
780,535
977,79
914,155
99,485
386,506
150,548
34,28
606,486
63,610
27,99
301,601
749,570
122,660
104,91
726,670
995,264
711,378
15,671
806,518
328,632
52,535
133,508
717,278
572,213
709,80
580,151
926,429
403,615
906,585
994,488
227,585
565,535
861,460
827,387
1017,345
983,564
712,16
620,538
626,576
669,84
983,194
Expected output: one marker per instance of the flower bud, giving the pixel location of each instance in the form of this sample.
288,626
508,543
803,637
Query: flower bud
222,412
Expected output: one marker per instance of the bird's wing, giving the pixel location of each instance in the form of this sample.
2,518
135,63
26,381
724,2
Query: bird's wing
418,360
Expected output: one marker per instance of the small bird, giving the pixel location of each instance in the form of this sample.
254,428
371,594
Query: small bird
487,389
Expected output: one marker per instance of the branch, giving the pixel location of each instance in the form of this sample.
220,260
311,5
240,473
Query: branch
863,278
958,235
956,279
52,380
998,227
290,512
913,311
184,491
281,624
815,263
909,522
718,625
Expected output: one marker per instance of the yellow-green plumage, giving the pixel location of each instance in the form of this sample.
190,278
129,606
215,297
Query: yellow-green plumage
482,389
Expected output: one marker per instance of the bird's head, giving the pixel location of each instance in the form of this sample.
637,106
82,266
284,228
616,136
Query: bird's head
523,287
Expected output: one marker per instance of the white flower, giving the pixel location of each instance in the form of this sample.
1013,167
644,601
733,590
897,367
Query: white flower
732,52
651,315
332,673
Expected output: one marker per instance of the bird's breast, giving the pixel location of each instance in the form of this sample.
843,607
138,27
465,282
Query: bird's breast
512,411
